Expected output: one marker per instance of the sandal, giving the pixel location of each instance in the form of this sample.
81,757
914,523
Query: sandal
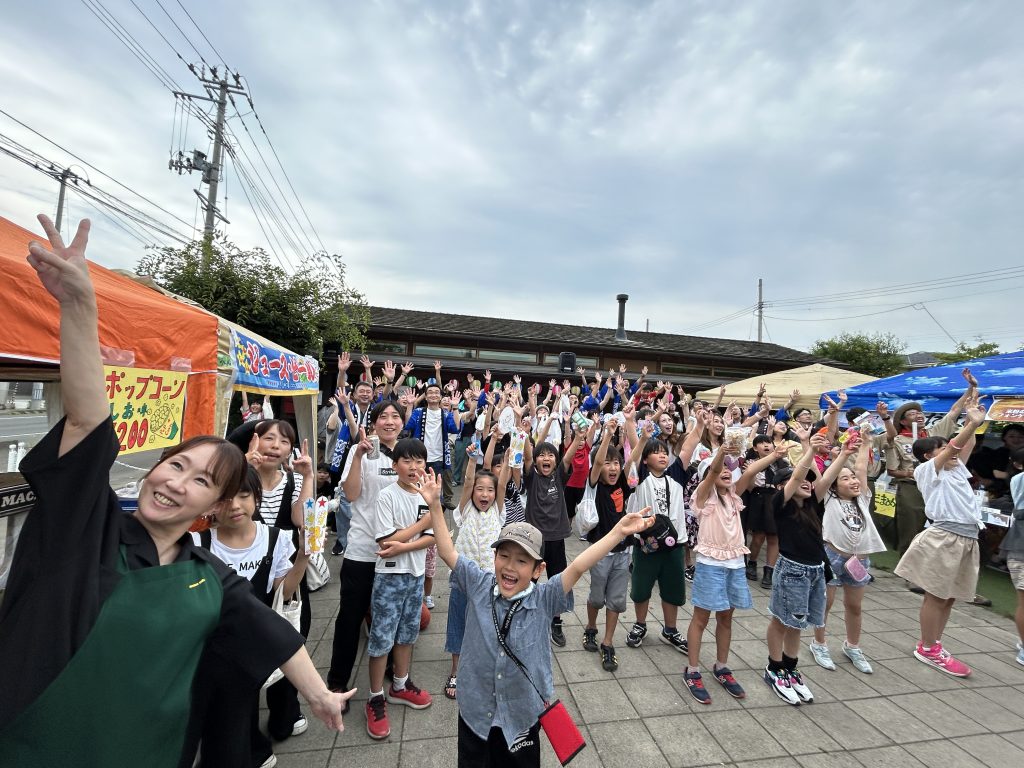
450,687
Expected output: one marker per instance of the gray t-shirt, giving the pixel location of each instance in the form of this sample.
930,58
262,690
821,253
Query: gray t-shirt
501,694
545,503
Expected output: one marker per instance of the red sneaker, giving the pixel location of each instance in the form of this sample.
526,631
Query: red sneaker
377,725
939,657
410,696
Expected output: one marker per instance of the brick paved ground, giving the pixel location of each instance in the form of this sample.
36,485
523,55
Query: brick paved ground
904,715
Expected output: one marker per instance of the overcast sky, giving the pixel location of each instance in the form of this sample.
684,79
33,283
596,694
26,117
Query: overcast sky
534,159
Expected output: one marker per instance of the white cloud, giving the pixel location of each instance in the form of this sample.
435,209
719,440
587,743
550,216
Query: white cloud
562,153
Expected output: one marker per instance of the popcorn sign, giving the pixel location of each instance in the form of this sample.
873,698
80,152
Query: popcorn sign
146,406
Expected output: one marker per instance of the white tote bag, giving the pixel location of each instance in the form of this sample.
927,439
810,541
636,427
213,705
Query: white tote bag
586,511
292,611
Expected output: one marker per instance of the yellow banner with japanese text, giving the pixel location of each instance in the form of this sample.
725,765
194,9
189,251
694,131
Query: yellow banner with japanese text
885,502
147,406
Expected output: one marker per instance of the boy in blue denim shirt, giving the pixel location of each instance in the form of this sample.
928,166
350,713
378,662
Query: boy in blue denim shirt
498,723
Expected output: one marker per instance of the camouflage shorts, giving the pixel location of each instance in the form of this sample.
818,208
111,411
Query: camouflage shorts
395,611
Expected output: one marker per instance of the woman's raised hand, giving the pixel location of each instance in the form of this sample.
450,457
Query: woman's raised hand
253,455
63,270
304,464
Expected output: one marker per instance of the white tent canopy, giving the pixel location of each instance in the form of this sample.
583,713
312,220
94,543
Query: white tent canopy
811,380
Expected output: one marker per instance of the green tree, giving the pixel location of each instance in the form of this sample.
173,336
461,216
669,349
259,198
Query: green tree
964,351
298,311
875,354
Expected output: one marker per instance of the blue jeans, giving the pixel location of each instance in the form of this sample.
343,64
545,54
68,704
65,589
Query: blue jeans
343,519
798,594
456,621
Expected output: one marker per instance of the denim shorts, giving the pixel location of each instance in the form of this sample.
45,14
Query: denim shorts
717,588
842,577
798,594
456,621
395,607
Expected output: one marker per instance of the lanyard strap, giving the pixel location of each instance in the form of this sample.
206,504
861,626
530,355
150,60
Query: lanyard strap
502,633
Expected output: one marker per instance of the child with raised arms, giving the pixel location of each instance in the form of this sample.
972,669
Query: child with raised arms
498,708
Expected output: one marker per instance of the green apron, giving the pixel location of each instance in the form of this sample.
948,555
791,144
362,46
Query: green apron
124,697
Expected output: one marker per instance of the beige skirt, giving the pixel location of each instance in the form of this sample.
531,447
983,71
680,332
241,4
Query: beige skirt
942,564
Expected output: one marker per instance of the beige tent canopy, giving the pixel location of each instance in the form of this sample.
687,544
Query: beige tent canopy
811,380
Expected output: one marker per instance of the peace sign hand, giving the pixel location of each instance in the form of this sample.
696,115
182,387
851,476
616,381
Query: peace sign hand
63,271
304,464
253,455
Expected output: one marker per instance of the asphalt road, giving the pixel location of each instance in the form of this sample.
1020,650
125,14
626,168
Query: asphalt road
31,428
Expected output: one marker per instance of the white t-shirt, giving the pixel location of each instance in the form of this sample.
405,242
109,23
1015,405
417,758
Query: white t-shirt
432,434
477,532
271,503
397,508
247,561
848,528
377,474
948,496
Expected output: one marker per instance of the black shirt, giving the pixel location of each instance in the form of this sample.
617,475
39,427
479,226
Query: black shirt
65,567
798,541
610,501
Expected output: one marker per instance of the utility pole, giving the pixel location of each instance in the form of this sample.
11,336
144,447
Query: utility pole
217,90
760,307
60,198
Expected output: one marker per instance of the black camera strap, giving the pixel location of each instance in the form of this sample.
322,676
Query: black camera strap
502,633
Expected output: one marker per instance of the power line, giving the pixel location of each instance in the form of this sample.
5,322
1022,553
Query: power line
724,319
69,153
180,30
829,319
128,41
222,61
281,165
1004,273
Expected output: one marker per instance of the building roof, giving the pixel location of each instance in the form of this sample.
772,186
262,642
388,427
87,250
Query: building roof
921,359
639,342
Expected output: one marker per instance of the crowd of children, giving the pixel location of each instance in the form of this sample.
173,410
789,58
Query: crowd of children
665,490
707,493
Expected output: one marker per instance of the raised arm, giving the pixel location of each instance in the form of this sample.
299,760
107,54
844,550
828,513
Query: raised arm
823,483
755,467
636,452
707,485
430,490
64,273
963,442
600,456
627,525
570,452
803,463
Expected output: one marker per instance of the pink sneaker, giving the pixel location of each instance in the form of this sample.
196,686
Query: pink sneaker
939,657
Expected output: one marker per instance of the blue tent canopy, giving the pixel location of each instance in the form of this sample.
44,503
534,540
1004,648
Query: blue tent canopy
939,387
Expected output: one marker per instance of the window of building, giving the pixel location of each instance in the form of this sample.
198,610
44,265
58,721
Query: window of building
427,350
736,373
507,357
388,347
686,370
586,362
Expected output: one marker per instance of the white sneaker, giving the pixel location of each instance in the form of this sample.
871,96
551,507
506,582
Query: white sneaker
780,683
300,726
822,656
429,602
270,762
796,681
1020,654
860,661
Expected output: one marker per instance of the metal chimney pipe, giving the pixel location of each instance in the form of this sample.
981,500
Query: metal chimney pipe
620,331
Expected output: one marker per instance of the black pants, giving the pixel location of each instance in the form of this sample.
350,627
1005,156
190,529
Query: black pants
282,697
554,560
494,752
356,591
573,496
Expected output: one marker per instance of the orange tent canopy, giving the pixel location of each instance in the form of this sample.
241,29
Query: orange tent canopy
154,327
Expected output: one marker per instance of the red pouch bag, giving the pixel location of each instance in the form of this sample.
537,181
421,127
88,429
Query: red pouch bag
565,737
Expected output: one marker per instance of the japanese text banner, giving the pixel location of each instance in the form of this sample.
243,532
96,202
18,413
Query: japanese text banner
147,406
263,369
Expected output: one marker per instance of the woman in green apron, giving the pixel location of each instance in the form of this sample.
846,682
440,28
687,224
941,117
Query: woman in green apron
106,615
